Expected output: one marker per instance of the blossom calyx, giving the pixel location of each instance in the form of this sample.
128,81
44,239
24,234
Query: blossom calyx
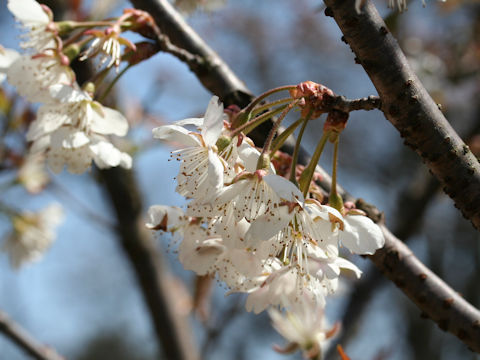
312,95
336,121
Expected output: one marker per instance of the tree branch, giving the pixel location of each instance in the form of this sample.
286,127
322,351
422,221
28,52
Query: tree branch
25,341
346,105
431,294
408,106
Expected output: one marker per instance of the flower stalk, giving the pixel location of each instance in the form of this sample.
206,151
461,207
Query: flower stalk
308,172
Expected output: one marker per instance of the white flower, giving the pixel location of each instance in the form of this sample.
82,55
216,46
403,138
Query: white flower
281,285
71,131
304,325
107,44
202,169
32,173
34,75
7,57
33,234
198,251
37,19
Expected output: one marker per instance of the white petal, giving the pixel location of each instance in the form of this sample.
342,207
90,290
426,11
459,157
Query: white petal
170,216
105,154
29,12
199,255
361,235
215,170
213,121
198,122
49,118
175,133
126,161
75,140
284,188
68,94
7,57
345,264
266,226
249,155
110,122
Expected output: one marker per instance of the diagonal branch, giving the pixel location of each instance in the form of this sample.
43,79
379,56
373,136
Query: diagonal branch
408,106
431,294
25,341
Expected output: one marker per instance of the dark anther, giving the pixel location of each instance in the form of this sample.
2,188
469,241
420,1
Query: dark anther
328,12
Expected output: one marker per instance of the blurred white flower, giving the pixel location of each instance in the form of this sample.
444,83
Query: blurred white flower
37,20
33,233
71,132
304,326
32,173
34,75
7,57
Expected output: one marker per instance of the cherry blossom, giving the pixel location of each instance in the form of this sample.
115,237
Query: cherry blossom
33,233
72,132
34,75
304,326
37,20
201,169
7,57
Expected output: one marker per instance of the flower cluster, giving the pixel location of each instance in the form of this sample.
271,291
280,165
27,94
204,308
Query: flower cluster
251,227
71,128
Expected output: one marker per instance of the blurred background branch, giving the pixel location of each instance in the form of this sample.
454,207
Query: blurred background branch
25,341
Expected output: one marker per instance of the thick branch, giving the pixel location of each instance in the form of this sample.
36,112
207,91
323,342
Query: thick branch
25,341
431,294
408,106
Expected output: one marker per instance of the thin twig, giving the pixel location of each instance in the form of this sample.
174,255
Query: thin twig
346,105
25,341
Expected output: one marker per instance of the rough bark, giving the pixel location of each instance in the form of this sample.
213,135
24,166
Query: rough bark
408,106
